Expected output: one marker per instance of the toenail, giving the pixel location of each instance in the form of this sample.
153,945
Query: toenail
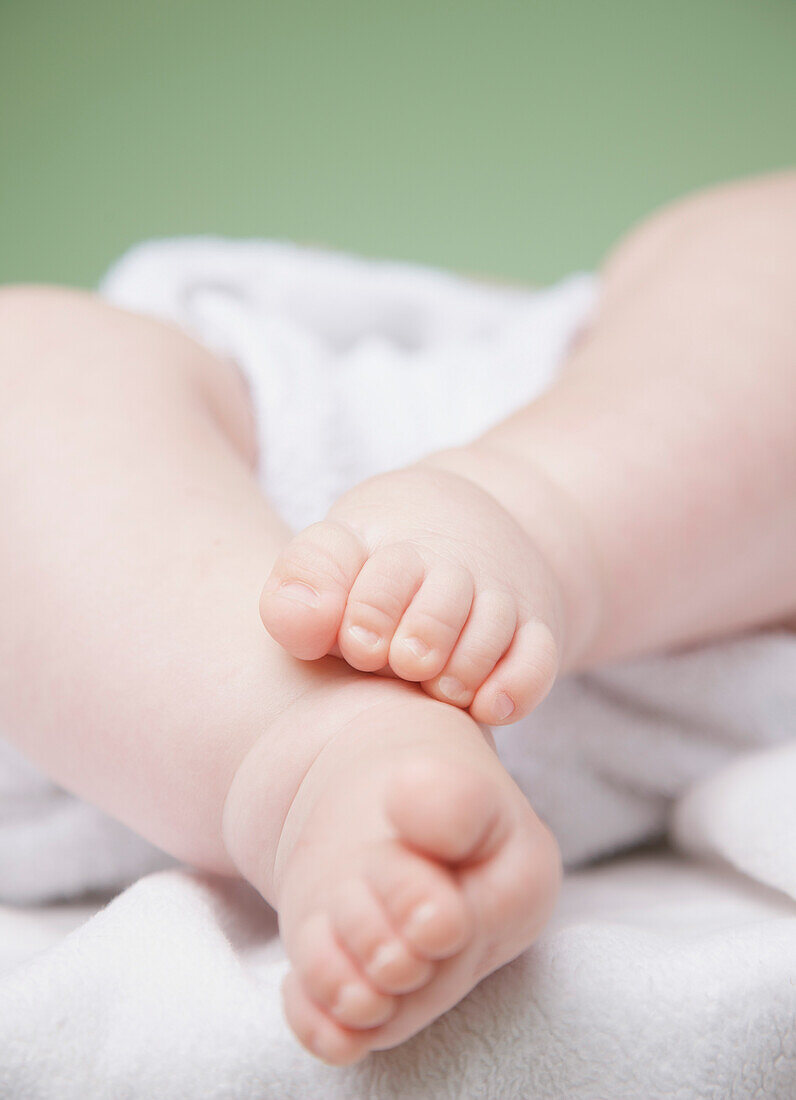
451,687
386,956
420,918
323,1048
365,636
502,706
299,593
352,999
417,646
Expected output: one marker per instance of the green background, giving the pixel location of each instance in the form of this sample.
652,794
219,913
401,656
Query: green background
509,139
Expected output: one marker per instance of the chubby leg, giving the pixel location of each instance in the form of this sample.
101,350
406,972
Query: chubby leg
403,861
647,500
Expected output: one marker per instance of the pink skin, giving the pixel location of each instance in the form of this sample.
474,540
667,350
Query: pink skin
648,500
423,573
130,562
408,867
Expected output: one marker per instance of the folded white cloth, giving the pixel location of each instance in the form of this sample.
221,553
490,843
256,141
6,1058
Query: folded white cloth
655,980
662,980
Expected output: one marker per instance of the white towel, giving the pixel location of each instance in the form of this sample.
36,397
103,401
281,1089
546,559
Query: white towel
653,976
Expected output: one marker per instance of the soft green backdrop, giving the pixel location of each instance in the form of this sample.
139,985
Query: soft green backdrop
505,138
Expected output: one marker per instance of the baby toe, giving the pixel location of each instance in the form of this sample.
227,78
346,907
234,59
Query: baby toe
422,903
513,894
485,638
446,809
363,928
378,598
432,623
332,980
303,600
522,677
318,1032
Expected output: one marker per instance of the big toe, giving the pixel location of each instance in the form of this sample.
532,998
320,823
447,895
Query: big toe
446,808
304,598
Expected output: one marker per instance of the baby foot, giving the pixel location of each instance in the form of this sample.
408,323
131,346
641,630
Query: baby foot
409,867
423,573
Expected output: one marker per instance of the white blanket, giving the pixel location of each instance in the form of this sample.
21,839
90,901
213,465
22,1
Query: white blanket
655,979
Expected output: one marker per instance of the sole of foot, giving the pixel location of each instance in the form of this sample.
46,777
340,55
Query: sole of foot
410,866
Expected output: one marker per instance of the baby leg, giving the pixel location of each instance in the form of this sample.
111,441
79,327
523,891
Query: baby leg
403,861
647,500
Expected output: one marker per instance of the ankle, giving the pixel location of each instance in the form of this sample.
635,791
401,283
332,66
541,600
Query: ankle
552,521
